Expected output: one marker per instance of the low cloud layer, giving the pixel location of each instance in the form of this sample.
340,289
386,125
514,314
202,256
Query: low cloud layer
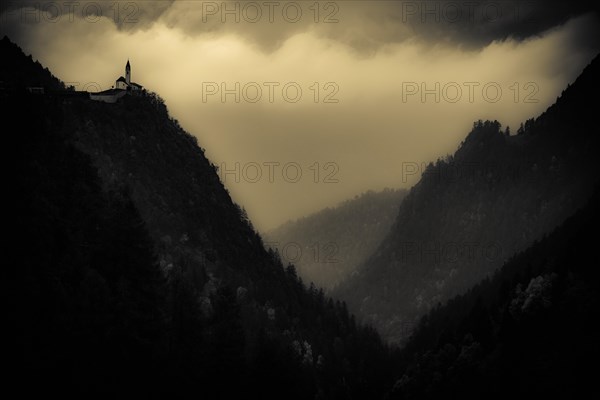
389,91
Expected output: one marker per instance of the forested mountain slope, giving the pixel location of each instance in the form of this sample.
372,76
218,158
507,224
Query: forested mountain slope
530,329
473,210
133,272
328,246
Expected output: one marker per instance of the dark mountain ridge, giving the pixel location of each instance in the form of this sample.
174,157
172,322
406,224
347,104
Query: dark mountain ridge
473,210
135,273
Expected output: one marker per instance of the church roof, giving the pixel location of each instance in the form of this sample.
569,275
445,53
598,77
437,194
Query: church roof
121,79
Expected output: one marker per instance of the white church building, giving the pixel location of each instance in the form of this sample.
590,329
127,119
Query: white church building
123,86
125,83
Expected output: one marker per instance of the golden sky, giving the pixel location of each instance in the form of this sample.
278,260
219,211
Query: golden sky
345,93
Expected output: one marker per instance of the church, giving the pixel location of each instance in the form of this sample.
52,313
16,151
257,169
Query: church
125,83
123,86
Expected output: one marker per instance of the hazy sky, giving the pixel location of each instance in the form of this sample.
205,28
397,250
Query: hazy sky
335,98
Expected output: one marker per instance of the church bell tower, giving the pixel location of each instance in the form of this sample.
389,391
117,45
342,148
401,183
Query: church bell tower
128,73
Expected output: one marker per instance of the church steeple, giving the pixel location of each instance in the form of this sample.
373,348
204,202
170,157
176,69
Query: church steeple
123,86
128,73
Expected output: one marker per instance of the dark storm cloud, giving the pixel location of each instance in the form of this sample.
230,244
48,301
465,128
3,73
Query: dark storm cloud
478,23
365,26
368,25
127,15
